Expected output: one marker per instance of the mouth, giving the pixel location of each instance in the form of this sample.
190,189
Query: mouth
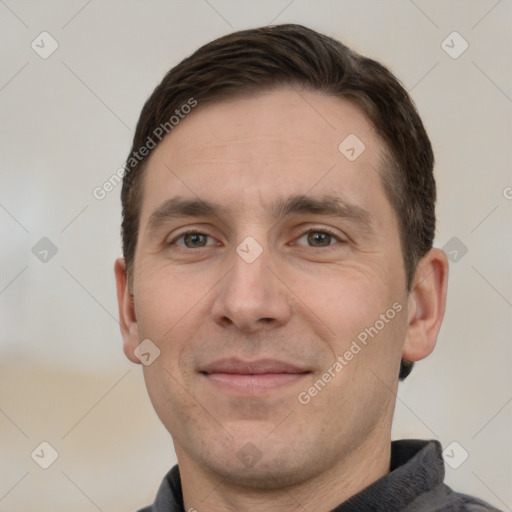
249,378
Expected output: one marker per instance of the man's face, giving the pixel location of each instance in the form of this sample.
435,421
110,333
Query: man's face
252,312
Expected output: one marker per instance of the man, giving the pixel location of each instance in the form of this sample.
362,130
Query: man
279,277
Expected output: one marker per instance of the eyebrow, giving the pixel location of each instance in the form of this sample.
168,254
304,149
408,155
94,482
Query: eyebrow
328,205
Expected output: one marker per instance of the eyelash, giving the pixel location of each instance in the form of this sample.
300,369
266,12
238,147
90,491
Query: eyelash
307,232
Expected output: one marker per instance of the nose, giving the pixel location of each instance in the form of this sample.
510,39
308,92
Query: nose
251,296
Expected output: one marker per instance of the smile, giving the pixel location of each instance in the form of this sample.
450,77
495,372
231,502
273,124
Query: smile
252,377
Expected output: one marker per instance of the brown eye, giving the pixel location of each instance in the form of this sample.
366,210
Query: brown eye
320,238
194,240
191,240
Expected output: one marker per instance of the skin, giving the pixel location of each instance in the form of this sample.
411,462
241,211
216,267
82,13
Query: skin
302,300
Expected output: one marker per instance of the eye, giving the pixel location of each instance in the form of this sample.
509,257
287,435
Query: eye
316,238
191,239
320,237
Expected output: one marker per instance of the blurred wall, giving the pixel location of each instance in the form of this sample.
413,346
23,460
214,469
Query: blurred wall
69,101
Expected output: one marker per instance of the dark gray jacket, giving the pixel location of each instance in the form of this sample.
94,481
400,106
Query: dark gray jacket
414,484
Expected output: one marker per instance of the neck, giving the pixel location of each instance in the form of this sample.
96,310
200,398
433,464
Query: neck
366,463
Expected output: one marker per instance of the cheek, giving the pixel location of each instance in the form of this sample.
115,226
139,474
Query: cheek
166,394
347,300
170,311
365,316
163,300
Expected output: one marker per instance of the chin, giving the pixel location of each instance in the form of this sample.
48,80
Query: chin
272,467
263,476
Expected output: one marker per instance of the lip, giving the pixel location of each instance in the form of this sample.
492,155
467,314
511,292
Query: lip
252,377
235,365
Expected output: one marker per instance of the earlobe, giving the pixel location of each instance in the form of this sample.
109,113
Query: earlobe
127,318
426,305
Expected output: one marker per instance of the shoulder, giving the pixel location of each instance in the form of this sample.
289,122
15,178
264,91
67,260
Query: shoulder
443,499
169,497
472,504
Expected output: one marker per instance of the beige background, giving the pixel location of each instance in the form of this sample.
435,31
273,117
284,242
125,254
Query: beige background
66,127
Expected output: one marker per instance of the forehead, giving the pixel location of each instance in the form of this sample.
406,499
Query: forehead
265,144
287,122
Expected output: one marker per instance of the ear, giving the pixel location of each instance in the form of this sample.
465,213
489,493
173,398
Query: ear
426,305
127,319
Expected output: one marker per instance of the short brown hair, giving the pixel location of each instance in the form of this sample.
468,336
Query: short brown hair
259,59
